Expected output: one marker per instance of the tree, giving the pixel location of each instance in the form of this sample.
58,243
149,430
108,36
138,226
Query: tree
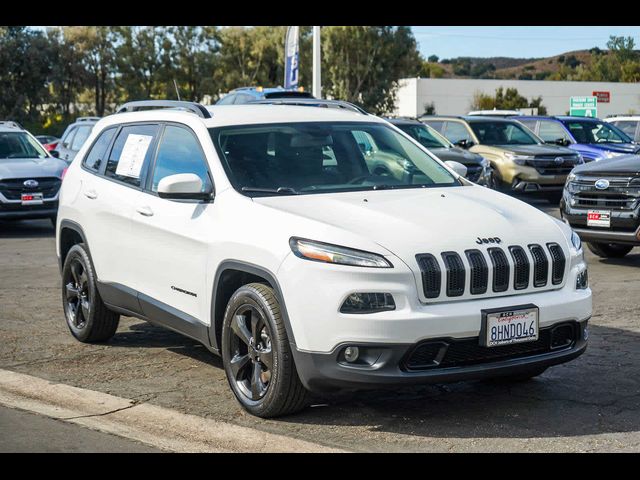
191,61
141,62
96,46
508,99
433,58
25,69
363,64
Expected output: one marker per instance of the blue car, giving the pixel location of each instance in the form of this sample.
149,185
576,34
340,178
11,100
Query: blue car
593,138
243,95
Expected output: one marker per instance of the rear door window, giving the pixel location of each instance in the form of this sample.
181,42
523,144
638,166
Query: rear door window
81,136
456,131
552,131
131,151
98,152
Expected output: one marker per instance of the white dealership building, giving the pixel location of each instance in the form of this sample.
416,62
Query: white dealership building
455,96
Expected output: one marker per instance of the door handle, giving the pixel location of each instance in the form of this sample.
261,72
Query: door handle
146,211
91,194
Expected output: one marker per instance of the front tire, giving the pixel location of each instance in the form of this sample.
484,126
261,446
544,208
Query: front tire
88,319
609,250
256,354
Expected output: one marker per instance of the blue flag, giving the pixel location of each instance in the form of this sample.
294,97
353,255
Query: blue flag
291,58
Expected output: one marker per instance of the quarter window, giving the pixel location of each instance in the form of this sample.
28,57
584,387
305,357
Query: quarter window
180,152
131,151
98,152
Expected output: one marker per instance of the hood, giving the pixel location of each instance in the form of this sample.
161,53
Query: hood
538,149
457,155
433,220
628,165
31,167
615,147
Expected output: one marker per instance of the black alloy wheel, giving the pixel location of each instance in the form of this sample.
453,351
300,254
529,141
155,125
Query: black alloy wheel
250,352
77,299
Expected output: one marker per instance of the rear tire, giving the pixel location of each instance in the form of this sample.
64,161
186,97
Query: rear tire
256,354
88,319
609,250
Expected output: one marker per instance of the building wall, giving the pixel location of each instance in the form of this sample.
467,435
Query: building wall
454,96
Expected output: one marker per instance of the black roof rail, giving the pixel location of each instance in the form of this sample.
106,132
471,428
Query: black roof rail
193,107
312,102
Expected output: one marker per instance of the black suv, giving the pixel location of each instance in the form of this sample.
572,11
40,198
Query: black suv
601,202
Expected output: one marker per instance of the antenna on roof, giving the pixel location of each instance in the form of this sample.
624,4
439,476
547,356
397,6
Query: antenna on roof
176,87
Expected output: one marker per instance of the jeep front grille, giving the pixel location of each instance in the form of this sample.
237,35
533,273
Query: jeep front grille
531,267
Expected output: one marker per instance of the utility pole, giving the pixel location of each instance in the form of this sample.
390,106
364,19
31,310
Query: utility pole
317,77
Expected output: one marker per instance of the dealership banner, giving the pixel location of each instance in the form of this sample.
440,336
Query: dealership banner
291,58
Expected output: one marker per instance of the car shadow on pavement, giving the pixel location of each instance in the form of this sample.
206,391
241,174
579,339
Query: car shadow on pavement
26,229
597,393
147,335
630,260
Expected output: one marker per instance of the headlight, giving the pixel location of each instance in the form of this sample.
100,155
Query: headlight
610,154
325,252
485,163
575,241
518,159
580,158
571,177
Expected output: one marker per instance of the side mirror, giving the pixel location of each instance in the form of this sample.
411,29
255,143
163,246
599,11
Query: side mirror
54,153
457,167
464,143
182,186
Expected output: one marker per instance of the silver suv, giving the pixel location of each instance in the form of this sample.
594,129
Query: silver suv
74,137
30,177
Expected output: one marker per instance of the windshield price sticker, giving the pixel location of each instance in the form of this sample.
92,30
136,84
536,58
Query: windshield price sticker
133,155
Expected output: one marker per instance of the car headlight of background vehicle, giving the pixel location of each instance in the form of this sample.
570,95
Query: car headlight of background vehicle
610,154
328,253
484,163
518,159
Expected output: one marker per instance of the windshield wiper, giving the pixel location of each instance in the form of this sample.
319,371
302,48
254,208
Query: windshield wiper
279,190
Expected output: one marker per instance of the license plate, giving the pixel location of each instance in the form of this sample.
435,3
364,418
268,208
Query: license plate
599,218
510,325
32,199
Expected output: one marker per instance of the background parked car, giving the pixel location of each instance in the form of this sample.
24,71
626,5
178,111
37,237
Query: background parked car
49,142
74,137
478,168
243,95
30,177
593,138
495,113
629,124
521,161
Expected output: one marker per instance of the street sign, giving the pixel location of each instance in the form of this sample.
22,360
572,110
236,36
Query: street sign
583,106
603,97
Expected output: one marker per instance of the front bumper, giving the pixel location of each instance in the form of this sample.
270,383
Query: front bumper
17,211
625,224
322,372
527,178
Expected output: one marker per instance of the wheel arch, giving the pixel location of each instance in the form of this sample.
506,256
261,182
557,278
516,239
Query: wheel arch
71,234
231,275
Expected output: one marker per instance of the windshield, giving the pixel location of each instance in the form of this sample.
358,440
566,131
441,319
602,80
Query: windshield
426,136
503,133
20,145
318,157
596,132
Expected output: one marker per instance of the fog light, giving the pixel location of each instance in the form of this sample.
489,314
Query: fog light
582,280
351,354
368,303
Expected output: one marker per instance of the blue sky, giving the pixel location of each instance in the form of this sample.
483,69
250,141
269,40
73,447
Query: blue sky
531,41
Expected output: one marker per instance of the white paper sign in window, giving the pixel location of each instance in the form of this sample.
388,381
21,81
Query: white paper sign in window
132,156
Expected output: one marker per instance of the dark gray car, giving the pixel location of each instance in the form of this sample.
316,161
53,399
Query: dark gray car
74,137
478,168
30,178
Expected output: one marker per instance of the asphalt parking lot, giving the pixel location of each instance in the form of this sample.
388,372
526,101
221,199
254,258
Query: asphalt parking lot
590,404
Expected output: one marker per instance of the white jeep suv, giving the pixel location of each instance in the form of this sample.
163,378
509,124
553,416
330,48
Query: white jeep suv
259,231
